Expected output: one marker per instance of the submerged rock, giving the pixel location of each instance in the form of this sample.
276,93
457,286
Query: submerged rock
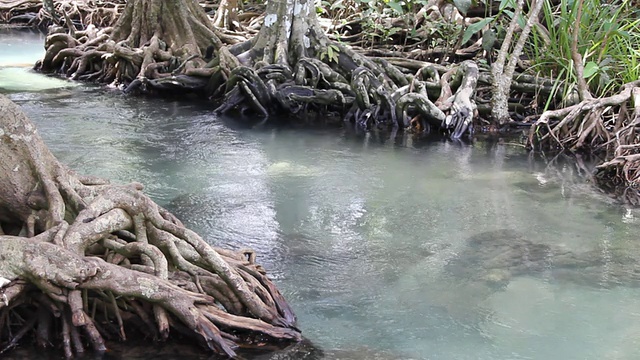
495,257
285,168
25,79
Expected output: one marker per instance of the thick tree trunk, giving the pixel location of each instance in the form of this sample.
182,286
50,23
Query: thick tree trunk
22,193
182,25
290,32
77,244
150,36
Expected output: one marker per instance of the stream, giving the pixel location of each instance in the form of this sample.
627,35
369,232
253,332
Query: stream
369,238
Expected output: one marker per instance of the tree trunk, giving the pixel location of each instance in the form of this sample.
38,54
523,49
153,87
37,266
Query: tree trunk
502,71
149,36
226,16
183,25
71,245
290,31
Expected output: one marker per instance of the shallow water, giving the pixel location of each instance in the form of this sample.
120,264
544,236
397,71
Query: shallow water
360,231
20,46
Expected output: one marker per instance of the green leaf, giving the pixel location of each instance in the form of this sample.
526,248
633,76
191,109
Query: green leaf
488,40
474,28
507,4
509,13
396,6
604,80
463,6
590,69
337,5
606,61
522,22
623,33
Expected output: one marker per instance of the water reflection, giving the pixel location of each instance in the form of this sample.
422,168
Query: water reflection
371,237
20,47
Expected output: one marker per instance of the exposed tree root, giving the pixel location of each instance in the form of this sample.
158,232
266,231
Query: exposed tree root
603,125
99,260
299,71
292,67
37,13
302,71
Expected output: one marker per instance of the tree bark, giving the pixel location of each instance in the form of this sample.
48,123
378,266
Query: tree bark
502,74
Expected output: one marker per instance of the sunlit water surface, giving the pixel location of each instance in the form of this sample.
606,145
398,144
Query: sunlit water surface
357,230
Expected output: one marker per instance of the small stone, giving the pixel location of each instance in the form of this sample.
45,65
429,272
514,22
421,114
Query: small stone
497,277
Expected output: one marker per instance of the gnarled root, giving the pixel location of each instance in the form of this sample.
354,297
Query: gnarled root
376,94
607,125
71,12
104,260
593,123
289,67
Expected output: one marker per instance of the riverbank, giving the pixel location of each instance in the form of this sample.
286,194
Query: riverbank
357,228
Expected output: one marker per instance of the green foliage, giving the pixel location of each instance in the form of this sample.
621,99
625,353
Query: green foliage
489,38
463,6
377,12
590,69
609,41
506,8
396,6
330,53
475,27
618,55
374,16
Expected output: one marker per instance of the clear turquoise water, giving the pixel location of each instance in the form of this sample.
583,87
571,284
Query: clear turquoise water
20,47
357,230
